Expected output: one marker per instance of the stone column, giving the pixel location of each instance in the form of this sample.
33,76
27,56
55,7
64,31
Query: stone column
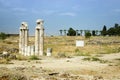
26,41
29,50
25,51
32,50
39,38
37,41
23,41
26,37
20,41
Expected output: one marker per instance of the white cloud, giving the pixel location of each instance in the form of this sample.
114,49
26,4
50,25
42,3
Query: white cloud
44,12
68,14
19,11
117,10
49,12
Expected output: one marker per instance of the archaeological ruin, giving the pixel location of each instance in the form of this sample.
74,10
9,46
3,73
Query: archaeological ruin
37,48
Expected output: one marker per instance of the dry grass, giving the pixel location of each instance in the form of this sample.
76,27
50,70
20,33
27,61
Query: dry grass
9,43
66,44
96,45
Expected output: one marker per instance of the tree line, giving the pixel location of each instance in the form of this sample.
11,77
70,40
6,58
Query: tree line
112,31
72,32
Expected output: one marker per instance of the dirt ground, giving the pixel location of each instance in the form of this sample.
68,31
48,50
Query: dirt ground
74,68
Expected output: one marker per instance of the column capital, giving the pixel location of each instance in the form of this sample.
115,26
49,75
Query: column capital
39,21
24,25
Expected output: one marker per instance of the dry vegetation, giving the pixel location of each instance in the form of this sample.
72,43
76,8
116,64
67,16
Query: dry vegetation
66,45
96,45
94,61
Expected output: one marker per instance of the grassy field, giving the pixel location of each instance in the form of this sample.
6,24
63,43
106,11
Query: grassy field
98,45
67,45
94,61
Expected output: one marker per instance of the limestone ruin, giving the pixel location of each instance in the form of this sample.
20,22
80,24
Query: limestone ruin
36,49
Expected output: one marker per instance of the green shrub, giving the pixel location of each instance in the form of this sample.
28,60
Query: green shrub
33,57
118,50
98,55
77,50
94,59
44,53
3,36
87,59
8,42
61,55
87,35
82,54
117,59
21,57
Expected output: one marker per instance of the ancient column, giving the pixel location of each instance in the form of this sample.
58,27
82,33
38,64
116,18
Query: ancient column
26,36
20,41
26,39
37,41
23,41
32,50
39,37
28,50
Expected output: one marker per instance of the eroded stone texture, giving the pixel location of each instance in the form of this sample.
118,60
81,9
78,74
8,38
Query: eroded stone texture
39,37
36,49
23,40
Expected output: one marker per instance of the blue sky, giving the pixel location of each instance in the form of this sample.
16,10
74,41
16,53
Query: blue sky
58,14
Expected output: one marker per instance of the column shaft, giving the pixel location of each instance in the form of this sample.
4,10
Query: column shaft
41,42
37,42
20,41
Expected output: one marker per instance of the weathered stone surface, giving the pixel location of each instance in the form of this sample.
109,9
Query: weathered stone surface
39,38
49,51
26,50
23,40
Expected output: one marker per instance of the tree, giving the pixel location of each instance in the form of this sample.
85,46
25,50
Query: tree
104,31
116,25
71,32
61,32
111,31
87,35
117,29
65,32
93,33
81,31
114,31
77,32
3,36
